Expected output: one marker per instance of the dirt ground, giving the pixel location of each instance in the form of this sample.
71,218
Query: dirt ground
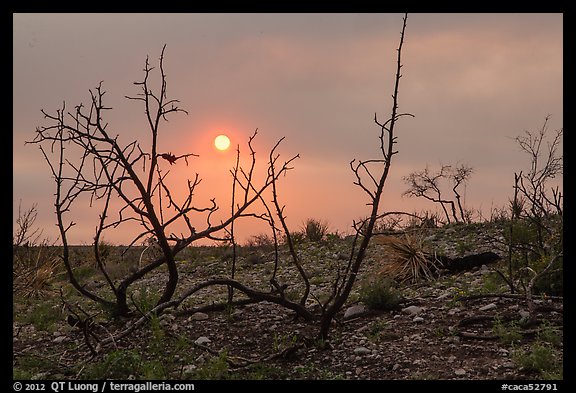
463,326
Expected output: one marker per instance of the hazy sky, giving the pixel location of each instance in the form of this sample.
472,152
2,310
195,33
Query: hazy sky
472,81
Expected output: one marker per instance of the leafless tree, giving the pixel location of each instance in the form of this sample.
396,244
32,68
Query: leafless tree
134,174
26,233
371,177
535,231
104,170
34,259
428,185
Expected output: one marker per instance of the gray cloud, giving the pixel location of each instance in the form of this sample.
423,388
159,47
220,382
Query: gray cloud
473,81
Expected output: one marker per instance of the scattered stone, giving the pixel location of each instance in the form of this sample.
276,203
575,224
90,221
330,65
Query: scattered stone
443,296
188,369
487,307
362,351
460,371
199,316
451,358
203,340
418,319
412,310
454,310
167,317
60,339
354,311
524,314
396,366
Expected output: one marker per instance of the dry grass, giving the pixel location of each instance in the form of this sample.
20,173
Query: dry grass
35,281
406,258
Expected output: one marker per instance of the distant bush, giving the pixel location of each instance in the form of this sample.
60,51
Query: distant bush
315,230
380,294
259,241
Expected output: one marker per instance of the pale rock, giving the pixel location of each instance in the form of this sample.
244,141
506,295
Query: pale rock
188,369
59,339
487,307
199,316
454,310
443,296
362,351
355,311
524,314
460,371
203,340
418,319
412,310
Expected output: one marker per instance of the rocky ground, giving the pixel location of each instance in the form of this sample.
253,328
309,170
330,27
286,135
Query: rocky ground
463,326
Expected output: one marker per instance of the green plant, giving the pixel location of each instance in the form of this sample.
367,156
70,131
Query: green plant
214,369
18,373
553,282
380,294
492,282
263,371
84,272
540,357
379,331
153,370
119,364
463,246
310,371
30,365
549,334
508,333
44,316
145,299
283,341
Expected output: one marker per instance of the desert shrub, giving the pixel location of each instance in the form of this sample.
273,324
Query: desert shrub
553,282
214,369
315,230
44,316
119,364
297,237
261,240
540,358
507,333
407,259
380,294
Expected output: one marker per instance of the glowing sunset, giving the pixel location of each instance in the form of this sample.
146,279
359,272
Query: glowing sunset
222,142
472,81
198,195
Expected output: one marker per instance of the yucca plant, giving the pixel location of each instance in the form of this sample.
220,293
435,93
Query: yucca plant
408,259
35,281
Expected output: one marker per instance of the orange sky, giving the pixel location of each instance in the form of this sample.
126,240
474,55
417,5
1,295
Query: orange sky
473,82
